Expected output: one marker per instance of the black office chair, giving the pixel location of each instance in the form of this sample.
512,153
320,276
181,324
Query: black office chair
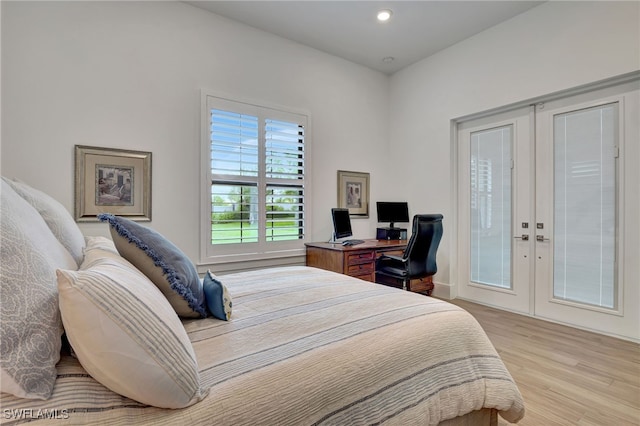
419,258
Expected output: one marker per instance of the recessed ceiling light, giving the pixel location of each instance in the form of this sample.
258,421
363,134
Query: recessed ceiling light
384,15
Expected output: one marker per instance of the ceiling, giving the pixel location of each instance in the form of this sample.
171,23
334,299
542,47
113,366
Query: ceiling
350,30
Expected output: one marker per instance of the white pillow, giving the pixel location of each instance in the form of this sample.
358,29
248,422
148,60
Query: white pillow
99,248
56,216
125,333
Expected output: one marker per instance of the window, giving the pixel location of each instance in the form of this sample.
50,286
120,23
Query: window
490,204
585,205
255,184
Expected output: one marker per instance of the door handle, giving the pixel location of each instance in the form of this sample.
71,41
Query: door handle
524,237
541,238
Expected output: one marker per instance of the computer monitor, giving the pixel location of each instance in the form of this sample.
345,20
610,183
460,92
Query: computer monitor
392,212
341,223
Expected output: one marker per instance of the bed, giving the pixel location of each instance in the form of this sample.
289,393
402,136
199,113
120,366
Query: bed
302,346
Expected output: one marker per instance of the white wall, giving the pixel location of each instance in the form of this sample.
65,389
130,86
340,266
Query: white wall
129,74
555,46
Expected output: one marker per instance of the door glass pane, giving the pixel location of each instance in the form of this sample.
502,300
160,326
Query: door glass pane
491,207
584,213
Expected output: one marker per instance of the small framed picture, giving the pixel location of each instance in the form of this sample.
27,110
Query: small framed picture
115,181
353,193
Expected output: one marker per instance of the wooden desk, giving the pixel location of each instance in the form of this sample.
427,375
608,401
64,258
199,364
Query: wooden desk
357,261
360,260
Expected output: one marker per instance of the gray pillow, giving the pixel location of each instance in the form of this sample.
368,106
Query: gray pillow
31,326
56,216
160,260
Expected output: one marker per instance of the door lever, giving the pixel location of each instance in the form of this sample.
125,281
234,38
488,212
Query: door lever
541,238
524,237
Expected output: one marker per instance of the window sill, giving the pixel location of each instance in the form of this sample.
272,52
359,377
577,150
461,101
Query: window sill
252,261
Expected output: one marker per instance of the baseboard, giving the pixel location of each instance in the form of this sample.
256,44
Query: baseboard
443,291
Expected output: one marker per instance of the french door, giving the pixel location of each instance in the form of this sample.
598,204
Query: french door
546,201
496,201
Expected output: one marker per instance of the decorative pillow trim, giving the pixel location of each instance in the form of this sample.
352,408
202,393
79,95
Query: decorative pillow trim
169,272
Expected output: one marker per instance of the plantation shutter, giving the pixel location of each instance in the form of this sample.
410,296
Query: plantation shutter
234,144
257,160
284,177
234,186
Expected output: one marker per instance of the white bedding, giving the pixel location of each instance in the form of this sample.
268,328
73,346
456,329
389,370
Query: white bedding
307,346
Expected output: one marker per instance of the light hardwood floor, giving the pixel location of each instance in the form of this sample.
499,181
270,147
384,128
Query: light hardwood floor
566,376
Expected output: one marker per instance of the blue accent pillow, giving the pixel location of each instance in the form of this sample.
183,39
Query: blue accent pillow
217,297
160,260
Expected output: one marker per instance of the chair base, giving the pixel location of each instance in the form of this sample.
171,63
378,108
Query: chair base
417,285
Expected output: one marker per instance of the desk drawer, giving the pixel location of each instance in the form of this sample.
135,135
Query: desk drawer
361,257
360,269
366,277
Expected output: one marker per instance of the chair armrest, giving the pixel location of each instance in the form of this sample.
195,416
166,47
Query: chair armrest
392,257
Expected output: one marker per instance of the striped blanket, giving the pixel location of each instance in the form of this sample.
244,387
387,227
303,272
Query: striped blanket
306,346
